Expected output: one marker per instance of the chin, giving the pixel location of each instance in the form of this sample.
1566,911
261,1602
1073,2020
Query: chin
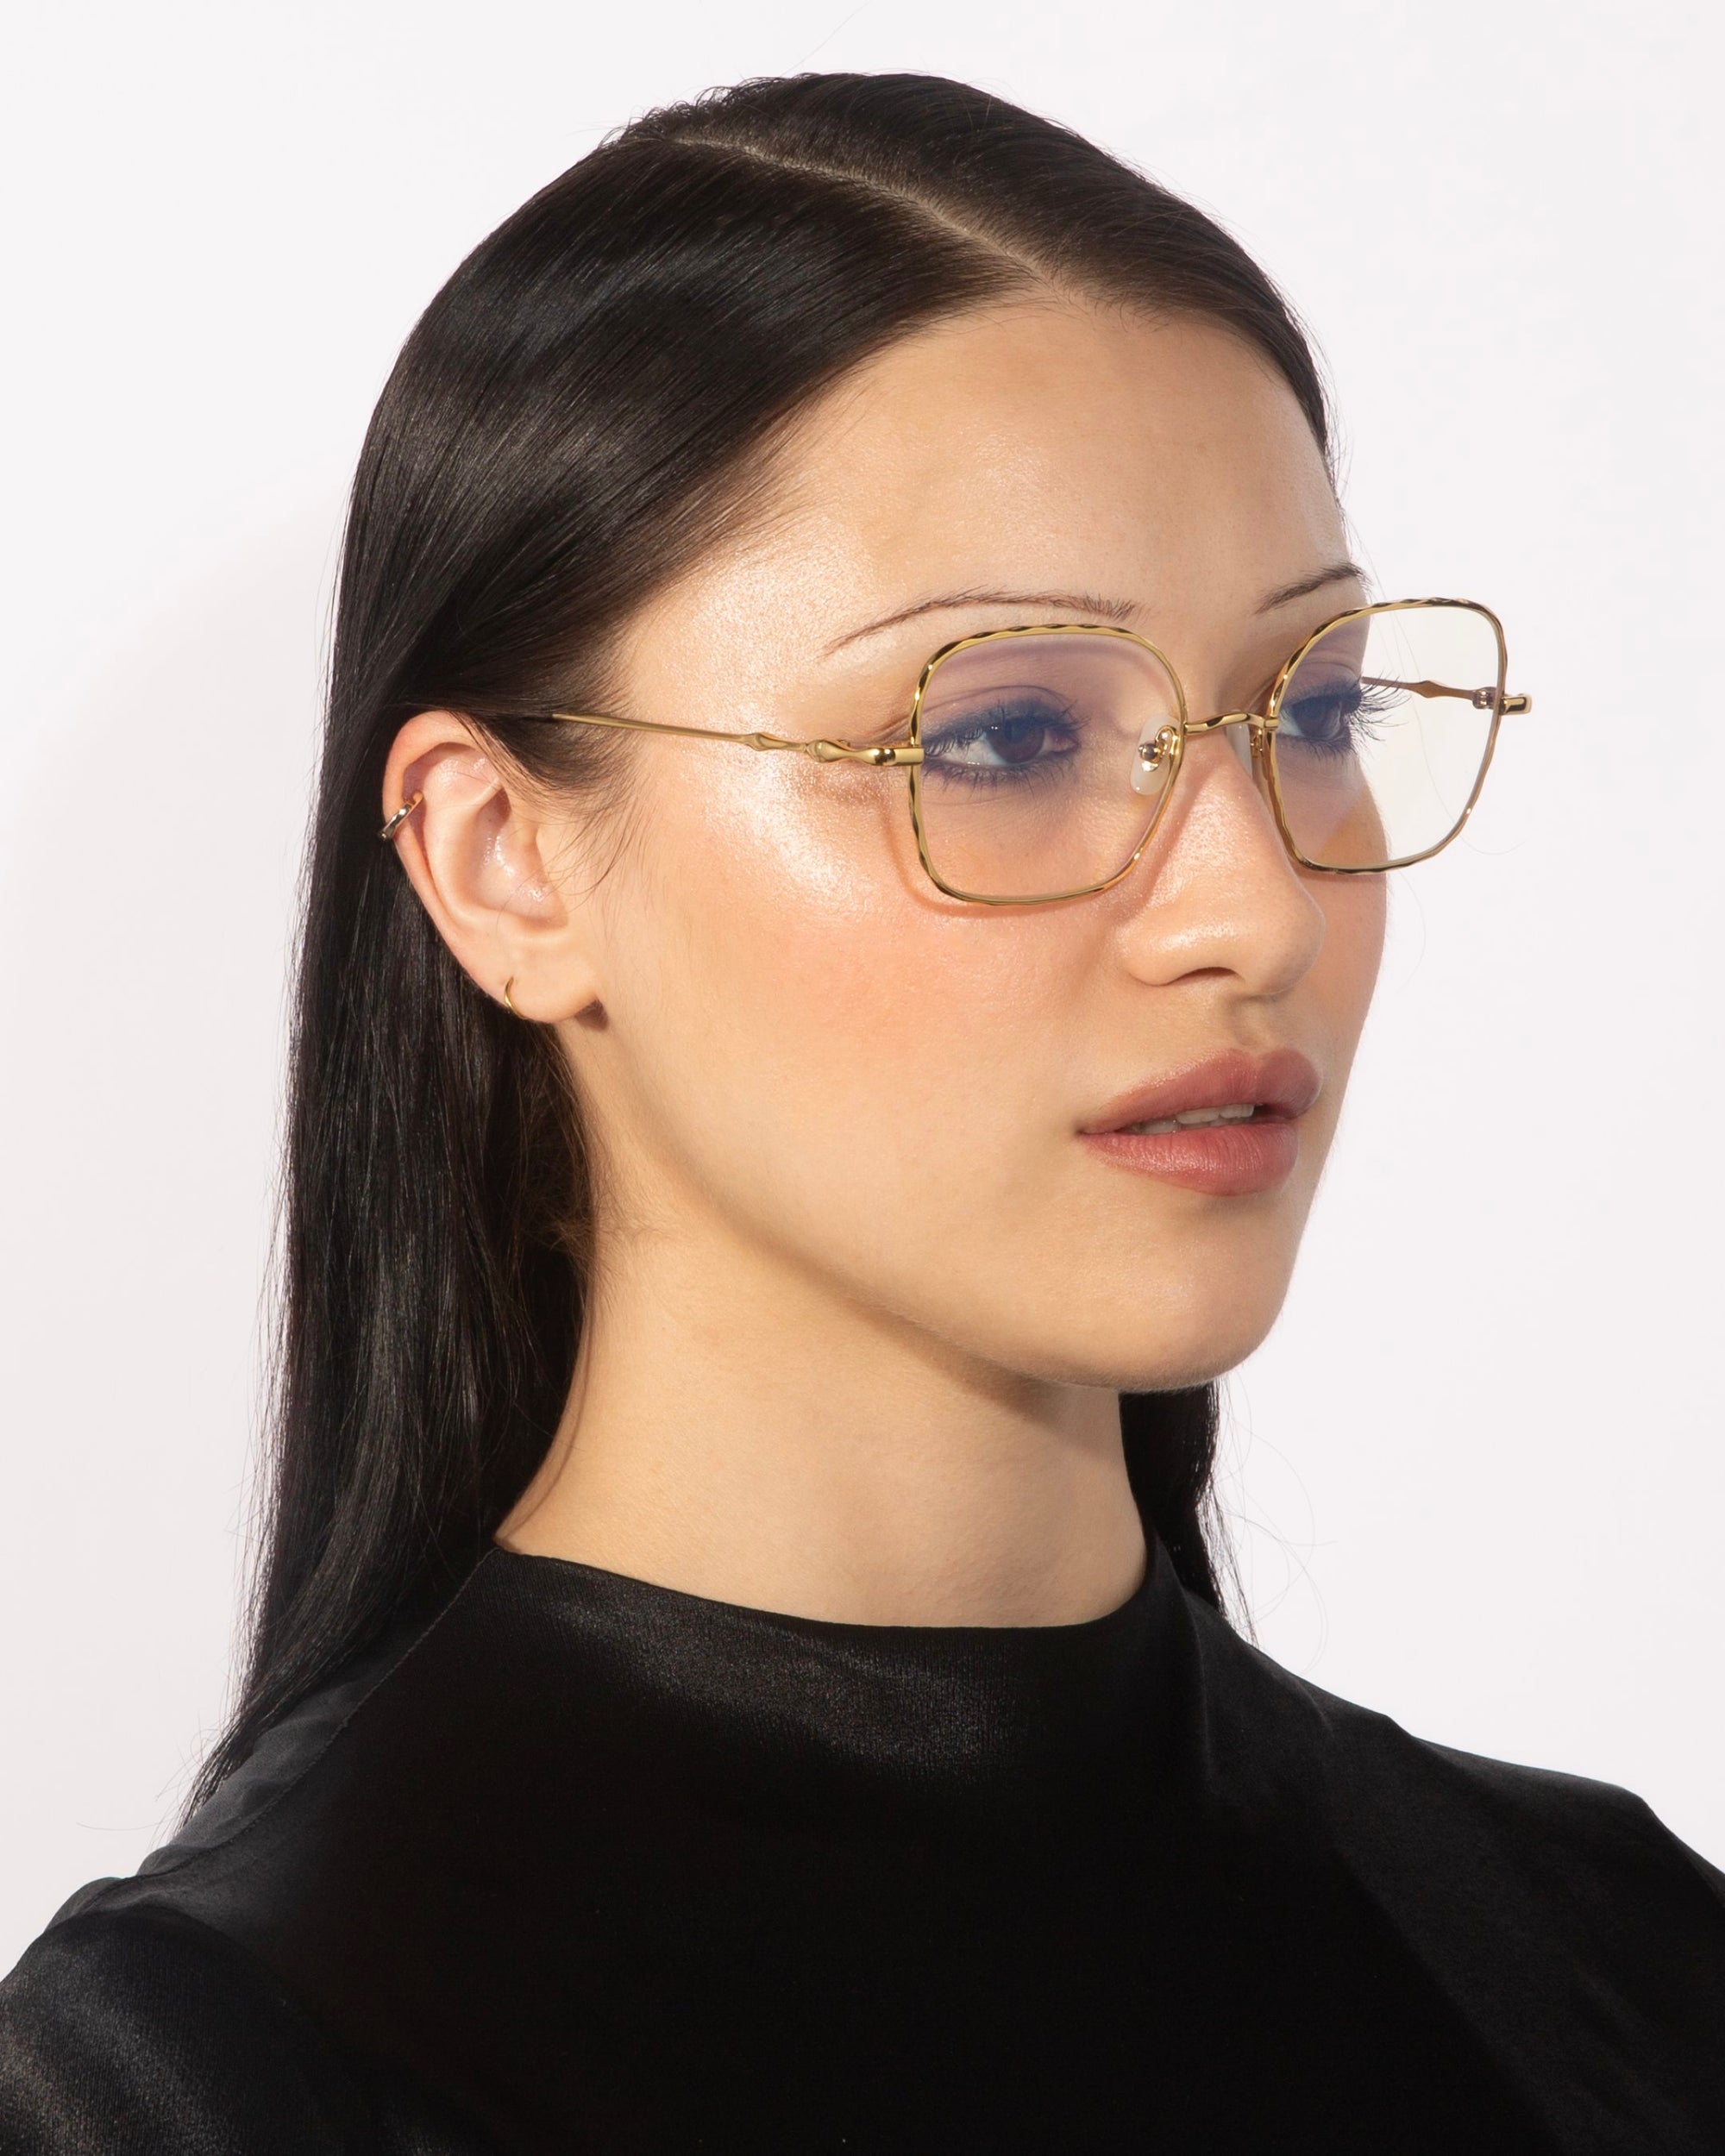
1120,1349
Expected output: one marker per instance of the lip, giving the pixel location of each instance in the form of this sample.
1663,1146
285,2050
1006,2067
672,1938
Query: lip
1222,1160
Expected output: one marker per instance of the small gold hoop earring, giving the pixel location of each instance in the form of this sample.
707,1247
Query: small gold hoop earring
400,817
507,1003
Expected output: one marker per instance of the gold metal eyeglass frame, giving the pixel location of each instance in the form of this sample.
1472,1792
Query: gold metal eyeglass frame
1170,741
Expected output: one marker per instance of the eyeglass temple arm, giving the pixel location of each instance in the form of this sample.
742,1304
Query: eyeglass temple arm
896,752
1481,699
906,752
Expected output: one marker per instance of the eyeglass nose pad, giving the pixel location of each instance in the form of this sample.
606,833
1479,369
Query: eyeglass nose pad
1155,761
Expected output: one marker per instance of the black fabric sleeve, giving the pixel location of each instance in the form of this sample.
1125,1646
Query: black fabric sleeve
138,2035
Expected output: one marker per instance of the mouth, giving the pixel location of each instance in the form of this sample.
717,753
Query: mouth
1197,1118
1228,1127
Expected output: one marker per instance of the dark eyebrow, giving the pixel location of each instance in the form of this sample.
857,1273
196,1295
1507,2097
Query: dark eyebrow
1337,573
1114,609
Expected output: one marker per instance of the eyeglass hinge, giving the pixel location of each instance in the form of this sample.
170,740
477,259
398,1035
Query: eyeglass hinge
1513,705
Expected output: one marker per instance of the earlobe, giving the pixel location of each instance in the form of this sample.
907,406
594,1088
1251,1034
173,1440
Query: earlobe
469,840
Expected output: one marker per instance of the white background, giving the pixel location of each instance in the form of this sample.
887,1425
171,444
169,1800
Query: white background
1477,1468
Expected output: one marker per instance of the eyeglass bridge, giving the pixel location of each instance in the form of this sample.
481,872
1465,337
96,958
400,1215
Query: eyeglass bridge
1255,720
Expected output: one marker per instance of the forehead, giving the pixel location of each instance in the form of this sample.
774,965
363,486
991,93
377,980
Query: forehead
1034,447
1112,426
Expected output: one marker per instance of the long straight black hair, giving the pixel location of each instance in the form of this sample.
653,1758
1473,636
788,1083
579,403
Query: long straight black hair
580,410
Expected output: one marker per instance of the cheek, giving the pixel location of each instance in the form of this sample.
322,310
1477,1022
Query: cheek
824,1041
1355,909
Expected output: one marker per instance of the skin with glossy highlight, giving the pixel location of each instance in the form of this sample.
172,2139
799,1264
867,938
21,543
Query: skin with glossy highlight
865,1290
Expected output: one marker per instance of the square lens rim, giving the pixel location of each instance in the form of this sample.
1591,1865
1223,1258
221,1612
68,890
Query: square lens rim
1039,629
1273,708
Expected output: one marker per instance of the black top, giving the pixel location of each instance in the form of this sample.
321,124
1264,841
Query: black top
590,1865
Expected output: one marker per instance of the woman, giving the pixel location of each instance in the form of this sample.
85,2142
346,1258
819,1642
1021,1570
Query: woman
885,775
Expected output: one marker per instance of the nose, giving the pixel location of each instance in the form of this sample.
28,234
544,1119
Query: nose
1217,892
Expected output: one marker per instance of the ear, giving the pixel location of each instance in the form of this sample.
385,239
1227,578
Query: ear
475,850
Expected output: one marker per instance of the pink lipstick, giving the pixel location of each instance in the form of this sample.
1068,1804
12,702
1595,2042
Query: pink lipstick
1228,1126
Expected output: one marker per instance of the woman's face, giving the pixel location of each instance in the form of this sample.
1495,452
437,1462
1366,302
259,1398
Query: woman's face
887,1089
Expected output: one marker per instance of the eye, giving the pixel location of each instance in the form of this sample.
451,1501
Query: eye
1003,742
1333,717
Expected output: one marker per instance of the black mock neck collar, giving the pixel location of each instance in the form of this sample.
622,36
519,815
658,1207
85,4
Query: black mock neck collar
1024,1710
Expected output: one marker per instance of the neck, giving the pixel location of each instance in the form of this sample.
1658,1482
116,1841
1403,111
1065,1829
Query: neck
740,1431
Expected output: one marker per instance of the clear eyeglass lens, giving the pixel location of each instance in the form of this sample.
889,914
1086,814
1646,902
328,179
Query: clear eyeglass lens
1383,730
1046,758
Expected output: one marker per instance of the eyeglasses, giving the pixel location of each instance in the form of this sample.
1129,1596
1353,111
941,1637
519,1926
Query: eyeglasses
1042,759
